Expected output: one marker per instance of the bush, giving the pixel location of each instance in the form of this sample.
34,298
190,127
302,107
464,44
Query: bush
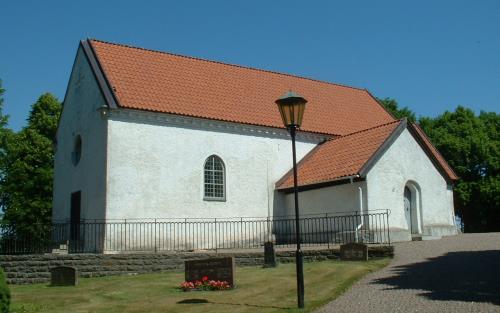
4,294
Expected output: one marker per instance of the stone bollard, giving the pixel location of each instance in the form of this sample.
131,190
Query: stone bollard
269,255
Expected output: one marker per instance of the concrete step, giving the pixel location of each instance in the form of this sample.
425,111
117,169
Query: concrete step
415,237
419,237
428,237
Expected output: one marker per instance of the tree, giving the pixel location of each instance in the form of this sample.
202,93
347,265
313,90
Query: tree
471,145
27,168
4,131
3,118
392,106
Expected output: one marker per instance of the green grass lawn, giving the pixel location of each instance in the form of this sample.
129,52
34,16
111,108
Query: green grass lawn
258,290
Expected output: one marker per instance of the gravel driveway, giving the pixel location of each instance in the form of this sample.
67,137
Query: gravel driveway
454,274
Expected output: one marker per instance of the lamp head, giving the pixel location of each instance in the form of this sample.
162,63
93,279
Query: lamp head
291,106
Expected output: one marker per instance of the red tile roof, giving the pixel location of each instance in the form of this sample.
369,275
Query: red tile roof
340,157
157,81
162,82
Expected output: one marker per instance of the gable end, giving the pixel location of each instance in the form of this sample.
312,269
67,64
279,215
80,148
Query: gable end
99,75
449,177
383,148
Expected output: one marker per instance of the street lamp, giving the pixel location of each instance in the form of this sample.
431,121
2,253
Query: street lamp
291,106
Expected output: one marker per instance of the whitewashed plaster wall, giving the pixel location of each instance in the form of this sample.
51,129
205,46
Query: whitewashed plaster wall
403,162
80,116
155,166
334,199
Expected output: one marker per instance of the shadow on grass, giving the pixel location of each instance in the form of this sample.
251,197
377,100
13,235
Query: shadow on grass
192,301
456,276
205,301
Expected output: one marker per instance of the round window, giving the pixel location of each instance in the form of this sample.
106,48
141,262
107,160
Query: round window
77,150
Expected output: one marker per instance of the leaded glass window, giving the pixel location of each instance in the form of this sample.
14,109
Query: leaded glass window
214,178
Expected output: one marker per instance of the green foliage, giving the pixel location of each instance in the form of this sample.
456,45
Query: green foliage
3,118
4,294
471,145
27,167
392,106
4,131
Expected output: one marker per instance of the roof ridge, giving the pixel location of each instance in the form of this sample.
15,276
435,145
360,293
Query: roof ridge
366,129
228,64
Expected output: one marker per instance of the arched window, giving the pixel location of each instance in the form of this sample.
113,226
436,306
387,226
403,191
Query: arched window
76,154
215,177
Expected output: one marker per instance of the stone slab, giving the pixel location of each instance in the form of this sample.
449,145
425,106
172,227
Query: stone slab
214,268
63,276
354,252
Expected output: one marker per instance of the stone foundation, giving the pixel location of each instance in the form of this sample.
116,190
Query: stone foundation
430,232
29,269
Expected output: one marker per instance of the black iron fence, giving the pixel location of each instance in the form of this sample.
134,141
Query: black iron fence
157,235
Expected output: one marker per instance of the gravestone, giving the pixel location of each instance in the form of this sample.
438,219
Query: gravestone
63,276
354,252
214,268
269,254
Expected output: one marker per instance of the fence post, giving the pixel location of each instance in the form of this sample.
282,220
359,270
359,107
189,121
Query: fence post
216,236
185,233
268,229
155,236
388,228
327,231
125,234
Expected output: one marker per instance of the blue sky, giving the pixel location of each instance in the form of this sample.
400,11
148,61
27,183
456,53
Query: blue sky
429,55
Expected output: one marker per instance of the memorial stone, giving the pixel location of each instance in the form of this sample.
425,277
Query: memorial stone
63,276
354,252
221,269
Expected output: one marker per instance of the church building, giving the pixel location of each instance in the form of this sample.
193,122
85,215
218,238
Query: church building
152,135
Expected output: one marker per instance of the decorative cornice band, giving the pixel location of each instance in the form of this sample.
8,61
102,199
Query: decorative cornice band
167,119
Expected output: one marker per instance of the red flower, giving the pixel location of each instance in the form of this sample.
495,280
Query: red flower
205,284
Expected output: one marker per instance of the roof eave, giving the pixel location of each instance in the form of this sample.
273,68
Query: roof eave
317,185
99,74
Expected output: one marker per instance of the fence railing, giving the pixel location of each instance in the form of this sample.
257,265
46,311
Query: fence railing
157,235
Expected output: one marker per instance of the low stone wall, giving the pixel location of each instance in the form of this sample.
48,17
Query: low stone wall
29,269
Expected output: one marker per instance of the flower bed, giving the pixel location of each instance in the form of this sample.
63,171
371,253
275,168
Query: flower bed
205,284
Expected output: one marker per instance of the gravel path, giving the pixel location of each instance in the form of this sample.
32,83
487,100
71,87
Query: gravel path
454,274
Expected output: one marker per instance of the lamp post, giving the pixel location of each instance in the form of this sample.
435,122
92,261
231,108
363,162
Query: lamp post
291,106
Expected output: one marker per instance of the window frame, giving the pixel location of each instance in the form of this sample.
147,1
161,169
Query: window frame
205,183
76,153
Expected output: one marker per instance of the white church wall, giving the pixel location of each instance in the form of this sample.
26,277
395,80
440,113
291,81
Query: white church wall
403,162
80,117
155,166
330,213
333,200
155,171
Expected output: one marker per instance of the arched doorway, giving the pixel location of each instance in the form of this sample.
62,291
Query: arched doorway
411,205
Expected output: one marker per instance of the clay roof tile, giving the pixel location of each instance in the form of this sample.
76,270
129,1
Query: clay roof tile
162,82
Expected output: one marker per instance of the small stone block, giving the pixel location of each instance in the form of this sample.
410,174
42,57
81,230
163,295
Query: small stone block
63,276
269,255
354,252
